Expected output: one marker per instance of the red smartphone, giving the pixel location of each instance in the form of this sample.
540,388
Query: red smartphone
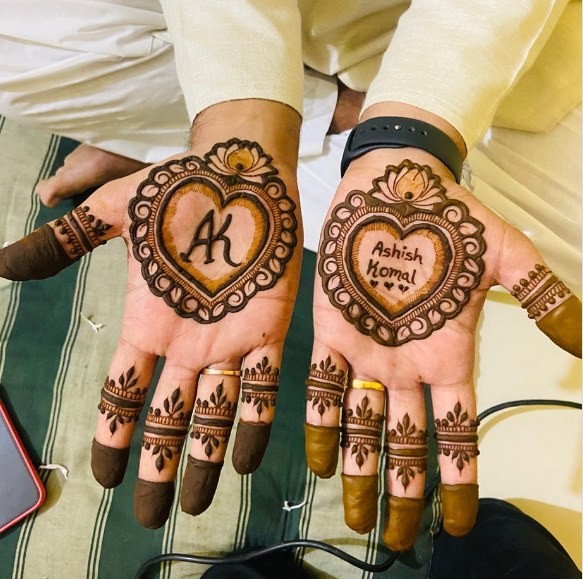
21,490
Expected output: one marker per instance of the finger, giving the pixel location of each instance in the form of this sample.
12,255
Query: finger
214,412
325,388
456,431
122,398
165,430
407,463
362,422
548,301
56,245
258,396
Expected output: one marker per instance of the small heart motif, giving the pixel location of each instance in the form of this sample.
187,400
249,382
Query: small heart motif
388,285
403,288
374,283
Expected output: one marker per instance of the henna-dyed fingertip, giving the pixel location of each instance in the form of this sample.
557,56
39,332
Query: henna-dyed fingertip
37,256
152,502
250,445
563,325
108,464
359,495
402,522
322,444
460,508
201,478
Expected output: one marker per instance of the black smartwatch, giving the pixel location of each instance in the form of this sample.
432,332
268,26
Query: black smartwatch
399,132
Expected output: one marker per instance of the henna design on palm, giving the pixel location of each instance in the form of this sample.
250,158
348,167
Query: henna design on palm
405,232
182,223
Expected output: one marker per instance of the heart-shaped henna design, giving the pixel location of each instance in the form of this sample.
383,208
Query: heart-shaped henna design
212,233
403,231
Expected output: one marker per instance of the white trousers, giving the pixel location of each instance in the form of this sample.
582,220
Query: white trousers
102,72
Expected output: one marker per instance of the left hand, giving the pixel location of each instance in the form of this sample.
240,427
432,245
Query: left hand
405,261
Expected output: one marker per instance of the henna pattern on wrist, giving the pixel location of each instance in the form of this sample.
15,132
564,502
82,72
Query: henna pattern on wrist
165,429
325,386
540,292
457,436
213,420
260,386
402,258
122,403
361,431
82,231
407,450
185,219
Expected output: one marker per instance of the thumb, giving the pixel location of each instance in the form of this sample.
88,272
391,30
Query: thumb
57,244
548,301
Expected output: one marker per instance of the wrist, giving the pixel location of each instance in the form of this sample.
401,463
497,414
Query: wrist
377,160
273,125
394,109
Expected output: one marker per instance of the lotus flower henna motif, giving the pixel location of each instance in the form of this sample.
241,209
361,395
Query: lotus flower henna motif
243,159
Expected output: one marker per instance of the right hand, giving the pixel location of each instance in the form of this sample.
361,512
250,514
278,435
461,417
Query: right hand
214,249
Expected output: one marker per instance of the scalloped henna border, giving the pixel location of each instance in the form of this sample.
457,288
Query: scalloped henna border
392,328
198,166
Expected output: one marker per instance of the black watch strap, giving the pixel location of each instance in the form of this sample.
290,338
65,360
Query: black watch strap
399,132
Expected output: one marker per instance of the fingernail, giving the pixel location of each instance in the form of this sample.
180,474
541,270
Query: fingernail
201,478
322,444
402,521
460,507
359,495
108,464
37,256
152,502
563,326
251,442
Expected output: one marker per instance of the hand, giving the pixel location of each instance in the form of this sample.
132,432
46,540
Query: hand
213,269
405,261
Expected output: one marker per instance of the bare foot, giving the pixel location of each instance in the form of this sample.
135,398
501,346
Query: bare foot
348,107
86,167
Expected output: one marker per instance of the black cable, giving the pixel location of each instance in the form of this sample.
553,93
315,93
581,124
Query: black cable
529,402
308,543
244,557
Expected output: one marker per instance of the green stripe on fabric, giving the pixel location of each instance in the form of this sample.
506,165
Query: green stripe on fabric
277,480
97,536
32,355
126,544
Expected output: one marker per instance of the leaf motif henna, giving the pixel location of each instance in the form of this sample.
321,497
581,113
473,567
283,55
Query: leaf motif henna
122,403
426,250
325,386
407,450
164,432
260,386
457,436
201,270
361,431
213,420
